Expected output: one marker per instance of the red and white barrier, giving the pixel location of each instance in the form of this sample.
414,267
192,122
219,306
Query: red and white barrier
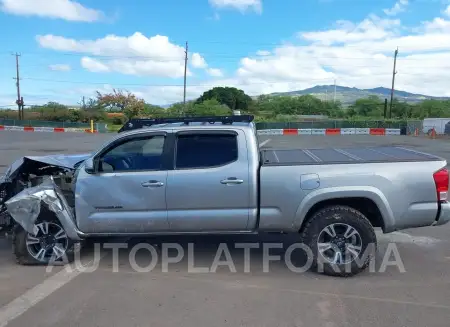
286,131
45,129
331,131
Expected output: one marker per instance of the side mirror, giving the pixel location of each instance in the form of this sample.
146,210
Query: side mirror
89,166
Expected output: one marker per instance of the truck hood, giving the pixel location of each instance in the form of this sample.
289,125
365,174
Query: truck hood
57,160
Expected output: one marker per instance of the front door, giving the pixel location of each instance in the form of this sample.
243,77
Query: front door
208,190
127,192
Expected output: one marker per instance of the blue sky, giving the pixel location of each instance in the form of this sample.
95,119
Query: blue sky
72,48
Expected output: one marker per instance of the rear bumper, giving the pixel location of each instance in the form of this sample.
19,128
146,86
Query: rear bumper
444,214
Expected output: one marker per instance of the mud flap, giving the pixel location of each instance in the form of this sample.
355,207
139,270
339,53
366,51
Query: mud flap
25,207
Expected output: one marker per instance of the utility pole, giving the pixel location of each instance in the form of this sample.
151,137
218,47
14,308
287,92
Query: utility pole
19,100
385,108
334,98
393,82
185,72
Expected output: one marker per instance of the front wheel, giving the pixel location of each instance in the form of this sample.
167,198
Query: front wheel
342,241
48,244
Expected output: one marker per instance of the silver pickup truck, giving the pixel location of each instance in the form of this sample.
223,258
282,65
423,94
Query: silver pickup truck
209,175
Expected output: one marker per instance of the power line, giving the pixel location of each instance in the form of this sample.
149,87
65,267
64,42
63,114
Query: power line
182,85
215,55
45,65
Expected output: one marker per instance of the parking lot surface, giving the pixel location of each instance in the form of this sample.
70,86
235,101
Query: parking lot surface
115,289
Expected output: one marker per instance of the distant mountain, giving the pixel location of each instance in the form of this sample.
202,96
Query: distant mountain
348,95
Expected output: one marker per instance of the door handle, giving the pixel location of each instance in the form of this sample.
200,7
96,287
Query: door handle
152,184
232,180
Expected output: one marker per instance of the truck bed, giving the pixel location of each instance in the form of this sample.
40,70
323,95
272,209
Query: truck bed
354,155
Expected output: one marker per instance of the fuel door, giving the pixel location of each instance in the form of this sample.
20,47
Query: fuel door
309,181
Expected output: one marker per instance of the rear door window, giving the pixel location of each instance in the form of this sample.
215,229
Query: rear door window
205,150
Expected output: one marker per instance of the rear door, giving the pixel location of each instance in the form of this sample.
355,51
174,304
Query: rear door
208,190
127,192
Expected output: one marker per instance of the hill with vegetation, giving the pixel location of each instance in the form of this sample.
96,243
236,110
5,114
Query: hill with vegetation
348,95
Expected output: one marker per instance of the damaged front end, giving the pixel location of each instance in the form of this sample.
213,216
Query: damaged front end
32,183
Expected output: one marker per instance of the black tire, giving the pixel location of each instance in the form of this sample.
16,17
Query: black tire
23,256
340,216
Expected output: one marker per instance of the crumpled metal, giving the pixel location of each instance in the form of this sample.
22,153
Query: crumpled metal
61,160
57,160
25,206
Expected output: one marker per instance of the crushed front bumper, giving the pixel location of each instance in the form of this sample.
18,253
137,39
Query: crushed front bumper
25,207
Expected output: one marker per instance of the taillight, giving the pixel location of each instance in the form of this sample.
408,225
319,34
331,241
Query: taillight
441,181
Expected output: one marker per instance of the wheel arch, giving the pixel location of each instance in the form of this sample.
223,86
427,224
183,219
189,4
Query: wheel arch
369,201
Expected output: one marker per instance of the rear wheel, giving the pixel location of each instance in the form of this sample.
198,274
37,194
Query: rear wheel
342,240
48,244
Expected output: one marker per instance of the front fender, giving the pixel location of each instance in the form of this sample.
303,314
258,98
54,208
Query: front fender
25,207
331,193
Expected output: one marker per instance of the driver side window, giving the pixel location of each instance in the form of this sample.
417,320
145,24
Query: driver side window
138,154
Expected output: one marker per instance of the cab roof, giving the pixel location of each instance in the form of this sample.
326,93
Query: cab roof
188,122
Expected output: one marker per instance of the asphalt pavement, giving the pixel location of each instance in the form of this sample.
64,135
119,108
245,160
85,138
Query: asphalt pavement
407,286
14,145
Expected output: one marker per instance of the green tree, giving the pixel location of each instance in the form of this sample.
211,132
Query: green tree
51,111
371,106
232,97
154,111
334,109
432,108
208,108
90,109
127,102
178,109
400,109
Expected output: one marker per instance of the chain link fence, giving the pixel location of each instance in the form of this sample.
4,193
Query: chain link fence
42,123
409,126
101,127
413,126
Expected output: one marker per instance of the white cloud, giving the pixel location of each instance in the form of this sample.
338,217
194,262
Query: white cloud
263,53
437,25
363,61
447,11
133,55
399,6
93,65
215,72
241,5
198,61
62,9
371,28
356,55
60,67
7,102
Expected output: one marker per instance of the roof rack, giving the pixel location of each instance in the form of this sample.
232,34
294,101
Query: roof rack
137,123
